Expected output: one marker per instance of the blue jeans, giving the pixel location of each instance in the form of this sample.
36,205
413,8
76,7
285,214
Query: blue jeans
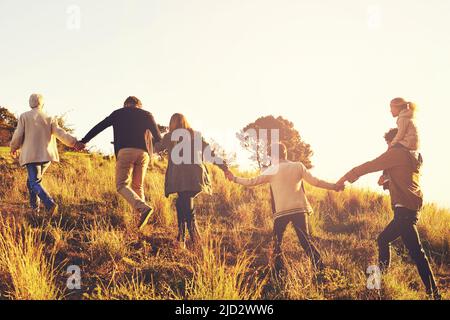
34,185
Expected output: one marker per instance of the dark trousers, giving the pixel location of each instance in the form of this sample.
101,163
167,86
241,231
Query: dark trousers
300,223
186,216
404,226
34,184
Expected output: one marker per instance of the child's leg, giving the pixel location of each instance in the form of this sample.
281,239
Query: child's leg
300,222
279,227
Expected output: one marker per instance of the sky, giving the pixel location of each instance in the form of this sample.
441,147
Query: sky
330,67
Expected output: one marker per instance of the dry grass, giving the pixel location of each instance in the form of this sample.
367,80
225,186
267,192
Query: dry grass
30,269
216,279
96,230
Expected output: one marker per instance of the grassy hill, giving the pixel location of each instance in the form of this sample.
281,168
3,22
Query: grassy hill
96,230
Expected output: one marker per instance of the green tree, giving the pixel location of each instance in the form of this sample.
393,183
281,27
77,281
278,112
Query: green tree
258,140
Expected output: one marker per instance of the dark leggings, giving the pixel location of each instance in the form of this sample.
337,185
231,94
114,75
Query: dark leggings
186,216
404,226
300,222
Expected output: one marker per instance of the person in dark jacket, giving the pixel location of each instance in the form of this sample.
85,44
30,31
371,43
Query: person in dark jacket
135,131
186,174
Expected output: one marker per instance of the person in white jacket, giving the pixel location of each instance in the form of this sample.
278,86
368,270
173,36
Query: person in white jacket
289,201
35,137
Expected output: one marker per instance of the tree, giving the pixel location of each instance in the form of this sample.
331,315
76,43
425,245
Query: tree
8,122
163,129
229,157
257,138
62,123
7,118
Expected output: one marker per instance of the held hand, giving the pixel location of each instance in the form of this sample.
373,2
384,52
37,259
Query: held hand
339,187
79,146
229,175
341,181
14,154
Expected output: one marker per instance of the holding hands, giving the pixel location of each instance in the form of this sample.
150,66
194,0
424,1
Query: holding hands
79,146
229,175
340,185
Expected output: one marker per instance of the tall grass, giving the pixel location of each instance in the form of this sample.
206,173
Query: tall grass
215,279
29,267
104,242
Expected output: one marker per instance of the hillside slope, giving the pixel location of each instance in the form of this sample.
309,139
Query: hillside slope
96,231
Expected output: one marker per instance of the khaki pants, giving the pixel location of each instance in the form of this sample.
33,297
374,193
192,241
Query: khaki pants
131,167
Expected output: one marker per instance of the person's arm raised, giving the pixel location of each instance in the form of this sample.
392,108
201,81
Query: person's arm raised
212,157
62,135
265,177
312,180
106,123
387,160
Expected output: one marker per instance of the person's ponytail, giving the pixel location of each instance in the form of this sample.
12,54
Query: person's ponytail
412,106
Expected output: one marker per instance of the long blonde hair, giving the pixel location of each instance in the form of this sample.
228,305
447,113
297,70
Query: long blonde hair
179,121
403,104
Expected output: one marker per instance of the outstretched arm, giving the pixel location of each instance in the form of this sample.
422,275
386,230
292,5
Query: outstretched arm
312,180
265,177
387,160
62,135
97,129
212,157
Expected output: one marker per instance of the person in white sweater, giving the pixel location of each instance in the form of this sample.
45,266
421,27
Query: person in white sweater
289,200
35,137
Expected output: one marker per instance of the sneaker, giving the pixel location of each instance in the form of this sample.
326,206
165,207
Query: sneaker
435,295
53,210
144,218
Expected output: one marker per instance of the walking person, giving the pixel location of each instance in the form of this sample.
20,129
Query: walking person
35,138
135,131
401,177
289,201
187,175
